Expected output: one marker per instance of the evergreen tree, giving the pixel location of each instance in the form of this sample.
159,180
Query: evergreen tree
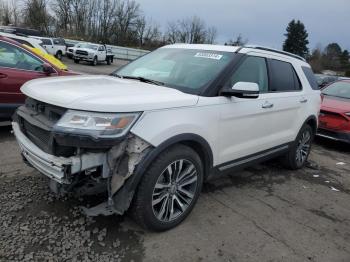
297,39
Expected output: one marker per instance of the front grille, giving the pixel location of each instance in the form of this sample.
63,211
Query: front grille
36,120
38,136
81,52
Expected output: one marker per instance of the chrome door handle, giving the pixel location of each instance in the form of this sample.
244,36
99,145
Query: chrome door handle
303,100
267,105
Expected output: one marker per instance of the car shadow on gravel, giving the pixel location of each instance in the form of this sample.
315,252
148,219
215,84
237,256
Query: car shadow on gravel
263,177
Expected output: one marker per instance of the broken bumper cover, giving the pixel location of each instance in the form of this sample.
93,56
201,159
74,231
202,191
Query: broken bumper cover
57,168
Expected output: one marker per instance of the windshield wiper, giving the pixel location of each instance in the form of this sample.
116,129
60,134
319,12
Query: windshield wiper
141,79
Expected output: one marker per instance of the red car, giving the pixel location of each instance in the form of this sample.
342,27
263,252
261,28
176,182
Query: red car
17,65
334,119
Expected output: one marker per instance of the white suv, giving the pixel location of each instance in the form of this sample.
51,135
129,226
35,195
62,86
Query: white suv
152,132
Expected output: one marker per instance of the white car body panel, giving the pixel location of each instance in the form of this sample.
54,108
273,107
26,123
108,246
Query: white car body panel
105,94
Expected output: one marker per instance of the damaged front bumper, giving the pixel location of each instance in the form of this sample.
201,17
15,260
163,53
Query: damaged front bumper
59,169
115,167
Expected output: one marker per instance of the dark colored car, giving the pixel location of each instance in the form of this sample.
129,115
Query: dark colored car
18,65
334,119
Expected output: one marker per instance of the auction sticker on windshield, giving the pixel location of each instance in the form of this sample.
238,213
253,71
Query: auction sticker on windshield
209,55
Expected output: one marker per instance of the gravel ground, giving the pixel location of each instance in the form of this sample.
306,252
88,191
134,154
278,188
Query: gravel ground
265,213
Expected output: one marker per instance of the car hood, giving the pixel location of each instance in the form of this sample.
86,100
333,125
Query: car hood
340,105
105,94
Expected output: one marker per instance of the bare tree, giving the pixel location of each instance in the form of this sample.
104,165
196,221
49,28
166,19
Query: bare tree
126,14
9,13
211,35
238,41
35,15
147,31
190,30
63,13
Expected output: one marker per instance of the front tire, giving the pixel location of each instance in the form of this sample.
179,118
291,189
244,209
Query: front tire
299,152
76,61
94,62
169,189
59,55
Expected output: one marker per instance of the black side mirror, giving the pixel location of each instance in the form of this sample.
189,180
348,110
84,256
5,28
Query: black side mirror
48,69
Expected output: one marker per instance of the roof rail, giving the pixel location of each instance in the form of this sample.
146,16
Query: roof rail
275,51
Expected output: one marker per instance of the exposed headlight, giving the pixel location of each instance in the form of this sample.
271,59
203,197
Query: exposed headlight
97,125
348,114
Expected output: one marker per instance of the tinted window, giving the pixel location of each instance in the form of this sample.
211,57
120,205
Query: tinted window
253,69
310,77
58,41
283,77
101,48
14,57
46,41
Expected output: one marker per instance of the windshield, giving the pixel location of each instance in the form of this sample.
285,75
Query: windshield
187,70
338,89
89,46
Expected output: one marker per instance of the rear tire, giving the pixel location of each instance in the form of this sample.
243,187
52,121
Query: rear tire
299,152
169,189
109,61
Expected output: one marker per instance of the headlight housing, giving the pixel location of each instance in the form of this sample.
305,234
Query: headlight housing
348,114
96,125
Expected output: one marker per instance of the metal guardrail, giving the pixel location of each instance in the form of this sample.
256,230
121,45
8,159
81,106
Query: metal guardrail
119,52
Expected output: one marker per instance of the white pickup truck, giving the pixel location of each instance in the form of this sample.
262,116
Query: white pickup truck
54,46
93,53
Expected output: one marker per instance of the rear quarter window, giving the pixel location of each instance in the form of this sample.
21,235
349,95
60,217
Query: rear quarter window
282,77
310,76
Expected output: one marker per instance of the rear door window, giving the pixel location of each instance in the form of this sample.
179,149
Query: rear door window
283,77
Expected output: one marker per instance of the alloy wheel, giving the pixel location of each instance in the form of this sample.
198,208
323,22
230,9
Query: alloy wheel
303,148
174,190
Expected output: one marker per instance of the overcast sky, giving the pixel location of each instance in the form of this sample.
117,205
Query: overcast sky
262,22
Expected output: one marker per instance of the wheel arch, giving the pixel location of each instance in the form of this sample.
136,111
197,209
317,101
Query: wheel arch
194,141
124,196
311,121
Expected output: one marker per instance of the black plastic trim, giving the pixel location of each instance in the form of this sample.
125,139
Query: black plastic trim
249,160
